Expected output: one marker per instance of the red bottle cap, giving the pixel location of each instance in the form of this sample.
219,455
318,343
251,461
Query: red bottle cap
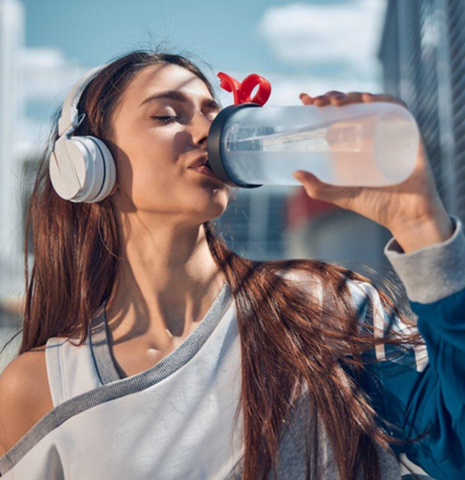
242,91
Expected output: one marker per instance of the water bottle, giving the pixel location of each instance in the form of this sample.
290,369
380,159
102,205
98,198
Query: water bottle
361,144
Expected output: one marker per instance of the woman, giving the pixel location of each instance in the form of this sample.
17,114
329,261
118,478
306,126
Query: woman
189,361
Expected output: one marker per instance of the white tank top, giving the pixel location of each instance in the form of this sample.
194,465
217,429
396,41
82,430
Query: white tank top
172,421
71,371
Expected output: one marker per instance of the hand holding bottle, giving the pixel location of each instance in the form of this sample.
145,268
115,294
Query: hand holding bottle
411,210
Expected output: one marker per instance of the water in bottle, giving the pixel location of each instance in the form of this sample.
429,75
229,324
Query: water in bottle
361,144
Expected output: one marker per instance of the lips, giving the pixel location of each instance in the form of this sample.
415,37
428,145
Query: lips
205,170
201,162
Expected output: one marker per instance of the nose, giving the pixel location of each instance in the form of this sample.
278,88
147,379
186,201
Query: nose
200,127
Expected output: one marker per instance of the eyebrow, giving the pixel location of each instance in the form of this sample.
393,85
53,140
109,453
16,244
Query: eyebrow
180,97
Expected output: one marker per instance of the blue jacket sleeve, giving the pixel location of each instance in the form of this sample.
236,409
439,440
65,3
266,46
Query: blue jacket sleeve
424,387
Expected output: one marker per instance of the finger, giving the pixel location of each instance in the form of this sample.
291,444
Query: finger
337,99
321,101
335,93
313,185
326,99
306,99
351,97
334,97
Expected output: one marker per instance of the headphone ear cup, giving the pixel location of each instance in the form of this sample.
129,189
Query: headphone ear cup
109,177
82,169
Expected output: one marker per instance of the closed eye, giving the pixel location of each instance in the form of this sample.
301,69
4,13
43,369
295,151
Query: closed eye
165,119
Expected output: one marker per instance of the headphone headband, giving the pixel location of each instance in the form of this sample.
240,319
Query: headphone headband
81,167
70,118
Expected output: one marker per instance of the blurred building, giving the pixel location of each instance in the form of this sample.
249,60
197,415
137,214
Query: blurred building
423,54
254,224
12,35
323,231
33,83
12,38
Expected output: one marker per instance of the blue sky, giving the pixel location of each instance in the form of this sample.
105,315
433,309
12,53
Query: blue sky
94,31
312,46
222,32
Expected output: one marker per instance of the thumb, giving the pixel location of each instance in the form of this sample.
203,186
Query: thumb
302,175
313,186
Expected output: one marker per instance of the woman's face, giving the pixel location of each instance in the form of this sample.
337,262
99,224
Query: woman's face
153,154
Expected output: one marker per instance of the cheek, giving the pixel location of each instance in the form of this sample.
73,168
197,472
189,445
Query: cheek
153,176
150,168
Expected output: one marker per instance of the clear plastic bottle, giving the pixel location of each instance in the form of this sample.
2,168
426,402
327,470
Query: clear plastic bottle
360,144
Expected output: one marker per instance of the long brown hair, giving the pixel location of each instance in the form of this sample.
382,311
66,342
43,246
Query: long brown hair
290,339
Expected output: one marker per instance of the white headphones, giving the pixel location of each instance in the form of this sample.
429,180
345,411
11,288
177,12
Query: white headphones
82,168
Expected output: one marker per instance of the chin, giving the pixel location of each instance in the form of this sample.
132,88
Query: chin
211,209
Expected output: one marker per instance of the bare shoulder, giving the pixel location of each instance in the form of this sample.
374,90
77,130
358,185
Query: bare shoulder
24,396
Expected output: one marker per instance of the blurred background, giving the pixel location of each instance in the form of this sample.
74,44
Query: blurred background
412,49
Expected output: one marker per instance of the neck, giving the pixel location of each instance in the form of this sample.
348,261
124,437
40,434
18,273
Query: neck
166,281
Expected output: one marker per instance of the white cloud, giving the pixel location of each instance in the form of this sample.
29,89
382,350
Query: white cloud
48,74
305,34
47,78
32,136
